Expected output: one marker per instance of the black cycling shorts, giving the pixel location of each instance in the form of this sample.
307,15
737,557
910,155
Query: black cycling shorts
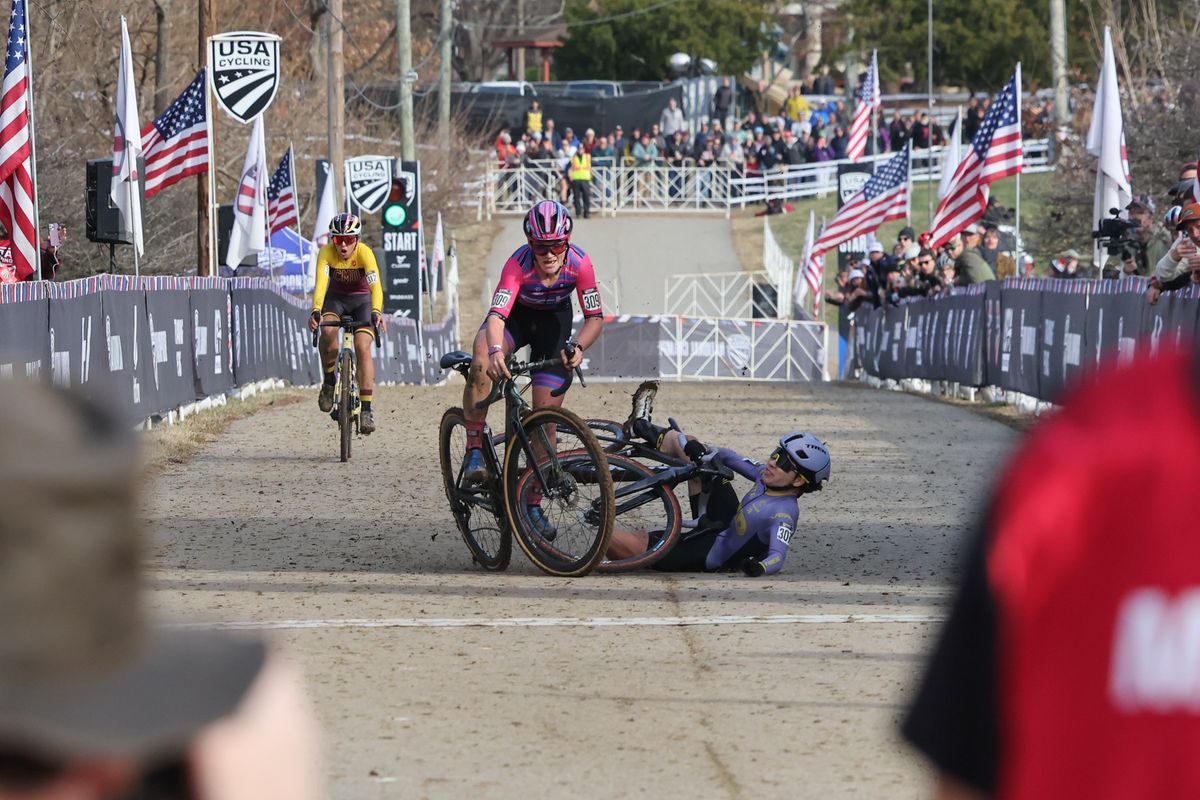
546,332
357,306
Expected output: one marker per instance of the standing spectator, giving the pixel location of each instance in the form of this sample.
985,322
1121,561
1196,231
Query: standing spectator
972,119
1067,267
671,119
880,263
839,141
51,263
569,144
969,266
920,131
989,248
824,85
504,147
604,154
645,154
589,140
897,133
657,137
533,117
796,108
740,134
552,136
581,182
1149,241
618,143
822,151
702,134
1065,668
676,151
723,102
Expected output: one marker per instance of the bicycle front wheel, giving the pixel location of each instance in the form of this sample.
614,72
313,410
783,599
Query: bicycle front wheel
652,510
559,493
482,523
345,417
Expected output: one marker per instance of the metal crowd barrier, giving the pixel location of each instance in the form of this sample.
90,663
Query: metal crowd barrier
625,188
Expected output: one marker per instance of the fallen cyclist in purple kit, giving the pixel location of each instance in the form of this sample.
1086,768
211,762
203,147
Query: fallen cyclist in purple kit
752,534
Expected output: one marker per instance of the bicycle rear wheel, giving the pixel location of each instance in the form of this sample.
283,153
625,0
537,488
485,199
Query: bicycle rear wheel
345,420
653,509
483,525
563,479
611,435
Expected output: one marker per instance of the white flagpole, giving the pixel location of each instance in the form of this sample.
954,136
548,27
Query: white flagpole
296,201
1017,226
211,122
37,232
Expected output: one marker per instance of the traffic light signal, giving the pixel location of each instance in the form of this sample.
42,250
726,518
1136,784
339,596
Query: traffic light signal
395,209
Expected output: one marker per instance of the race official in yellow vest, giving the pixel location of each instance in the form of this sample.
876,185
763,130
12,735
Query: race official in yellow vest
581,182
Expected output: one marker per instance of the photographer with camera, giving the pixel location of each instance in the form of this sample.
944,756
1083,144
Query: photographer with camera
1181,264
1137,247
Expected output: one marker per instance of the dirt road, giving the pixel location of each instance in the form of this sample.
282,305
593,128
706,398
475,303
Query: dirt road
433,679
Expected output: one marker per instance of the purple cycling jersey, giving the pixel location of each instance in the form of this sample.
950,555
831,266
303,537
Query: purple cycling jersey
766,514
519,283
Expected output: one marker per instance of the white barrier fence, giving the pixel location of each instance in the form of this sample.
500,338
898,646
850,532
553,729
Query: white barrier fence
690,187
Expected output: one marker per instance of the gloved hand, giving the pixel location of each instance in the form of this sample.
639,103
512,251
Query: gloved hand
753,568
695,450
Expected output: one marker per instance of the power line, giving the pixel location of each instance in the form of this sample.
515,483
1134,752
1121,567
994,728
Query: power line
581,23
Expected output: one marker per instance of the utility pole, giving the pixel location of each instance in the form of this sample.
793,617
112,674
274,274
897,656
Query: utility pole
444,36
408,145
336,91
520,35
204,236
1058,61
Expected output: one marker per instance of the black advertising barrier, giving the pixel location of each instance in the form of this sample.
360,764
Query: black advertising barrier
170,320
130,380
212,341
437,338
408,351
24,338
1033,336
1061,347
1021,317
1116,310
78,353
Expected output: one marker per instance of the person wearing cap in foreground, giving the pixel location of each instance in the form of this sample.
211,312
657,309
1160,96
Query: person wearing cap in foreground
97,702
1068,664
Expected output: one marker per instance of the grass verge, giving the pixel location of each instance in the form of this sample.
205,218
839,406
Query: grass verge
168,445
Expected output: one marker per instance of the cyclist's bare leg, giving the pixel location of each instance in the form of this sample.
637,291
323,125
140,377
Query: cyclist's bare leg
673,447
627,543
330,342
478,383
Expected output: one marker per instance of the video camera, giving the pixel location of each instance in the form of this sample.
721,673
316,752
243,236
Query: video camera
1115,234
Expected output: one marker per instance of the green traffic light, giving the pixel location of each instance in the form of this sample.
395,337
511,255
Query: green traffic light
394,215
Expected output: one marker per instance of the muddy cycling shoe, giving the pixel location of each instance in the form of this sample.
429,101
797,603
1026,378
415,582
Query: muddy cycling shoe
474,467
643,406
366,422
541,526
325,398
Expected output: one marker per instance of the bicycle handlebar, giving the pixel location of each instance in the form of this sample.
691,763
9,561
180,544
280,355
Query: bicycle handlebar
516,368
342,323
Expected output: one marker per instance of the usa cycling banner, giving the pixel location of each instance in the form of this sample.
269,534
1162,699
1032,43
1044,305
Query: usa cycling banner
244,66
368,180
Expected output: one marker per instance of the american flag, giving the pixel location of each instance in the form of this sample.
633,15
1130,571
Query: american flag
883,198
995,153
281,196
175,145
17,199
868,101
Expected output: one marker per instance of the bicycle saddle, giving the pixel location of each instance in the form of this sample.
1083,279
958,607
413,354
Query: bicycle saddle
454,358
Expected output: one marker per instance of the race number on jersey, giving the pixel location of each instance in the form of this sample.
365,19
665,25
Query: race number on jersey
591,300
784,534
500,299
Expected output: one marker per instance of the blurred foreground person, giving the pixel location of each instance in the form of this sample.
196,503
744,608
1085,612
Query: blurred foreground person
1070,663
95,701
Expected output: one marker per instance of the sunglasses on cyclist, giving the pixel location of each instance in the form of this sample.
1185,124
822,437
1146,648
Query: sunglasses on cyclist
343,241
783,460
554,248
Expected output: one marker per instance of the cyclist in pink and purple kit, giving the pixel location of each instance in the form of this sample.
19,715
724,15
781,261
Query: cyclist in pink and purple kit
532,306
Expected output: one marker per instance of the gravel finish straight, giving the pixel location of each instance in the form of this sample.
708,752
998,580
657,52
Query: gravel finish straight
639,251
586,687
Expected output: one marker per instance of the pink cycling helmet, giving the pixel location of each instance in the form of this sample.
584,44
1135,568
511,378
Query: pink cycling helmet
548,221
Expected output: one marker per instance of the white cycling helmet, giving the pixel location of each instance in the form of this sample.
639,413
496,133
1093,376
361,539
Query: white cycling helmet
808,454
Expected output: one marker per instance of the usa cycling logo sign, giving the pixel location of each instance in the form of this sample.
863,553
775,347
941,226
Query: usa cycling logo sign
368,181
244,66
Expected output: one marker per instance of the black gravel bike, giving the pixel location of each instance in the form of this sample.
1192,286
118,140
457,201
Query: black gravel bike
536,463
347,403
644,490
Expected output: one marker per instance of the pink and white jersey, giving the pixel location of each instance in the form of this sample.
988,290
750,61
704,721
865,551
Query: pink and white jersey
519,283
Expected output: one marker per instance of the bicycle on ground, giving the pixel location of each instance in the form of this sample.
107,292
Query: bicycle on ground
536,463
